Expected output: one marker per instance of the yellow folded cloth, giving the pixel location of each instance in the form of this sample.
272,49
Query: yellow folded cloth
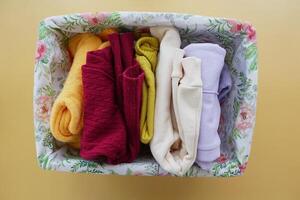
66,119
106,32
146,54
104,45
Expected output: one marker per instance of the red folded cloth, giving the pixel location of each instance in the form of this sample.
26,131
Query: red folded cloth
104,131
133,78
114,41
127,49
130,86
112,87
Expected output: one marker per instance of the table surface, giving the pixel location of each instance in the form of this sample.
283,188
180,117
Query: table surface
272,172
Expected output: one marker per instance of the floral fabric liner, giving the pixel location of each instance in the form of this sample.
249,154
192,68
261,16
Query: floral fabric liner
52,63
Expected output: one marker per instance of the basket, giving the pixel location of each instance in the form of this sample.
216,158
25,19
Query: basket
237,112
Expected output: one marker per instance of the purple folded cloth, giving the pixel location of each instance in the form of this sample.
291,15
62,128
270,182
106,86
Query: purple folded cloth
212,57
225,83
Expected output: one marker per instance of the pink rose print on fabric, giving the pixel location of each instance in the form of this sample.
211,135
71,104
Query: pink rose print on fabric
94,18
40,51
43,108
235,26
247,29
222,159
245,118
243,167
251,33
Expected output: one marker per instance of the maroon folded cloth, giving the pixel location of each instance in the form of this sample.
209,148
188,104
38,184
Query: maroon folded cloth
123,53
104,134
127,49
112,87
130,83
114,40
133,78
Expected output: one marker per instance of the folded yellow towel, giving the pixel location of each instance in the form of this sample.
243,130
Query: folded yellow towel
146,54
67,111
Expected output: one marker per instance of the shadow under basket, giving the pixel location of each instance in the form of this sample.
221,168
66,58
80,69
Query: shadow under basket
238,110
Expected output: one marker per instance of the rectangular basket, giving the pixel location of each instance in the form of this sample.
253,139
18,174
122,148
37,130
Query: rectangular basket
238,111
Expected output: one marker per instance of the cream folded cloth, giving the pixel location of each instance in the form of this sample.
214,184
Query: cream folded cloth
178,105
187,104
67,111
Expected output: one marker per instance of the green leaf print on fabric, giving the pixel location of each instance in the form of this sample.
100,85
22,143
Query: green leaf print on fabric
70,22
113,20
221,29
226,169
47,90
236,107
49,141
235,134
219,25
44,160
250,51
251,54
243,86
88,166
43,31
129,171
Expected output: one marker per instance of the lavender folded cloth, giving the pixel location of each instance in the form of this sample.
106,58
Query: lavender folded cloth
212,56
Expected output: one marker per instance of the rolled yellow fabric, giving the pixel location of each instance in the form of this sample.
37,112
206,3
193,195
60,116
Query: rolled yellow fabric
106,32
146,54
67,111
104,45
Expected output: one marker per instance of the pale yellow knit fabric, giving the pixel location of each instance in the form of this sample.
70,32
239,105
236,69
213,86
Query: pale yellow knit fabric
146,54
66,119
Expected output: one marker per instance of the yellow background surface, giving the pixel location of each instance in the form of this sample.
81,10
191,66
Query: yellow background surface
274,167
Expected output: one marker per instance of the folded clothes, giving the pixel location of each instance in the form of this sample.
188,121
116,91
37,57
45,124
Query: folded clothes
169,117
130,79
186,98
67,111
164,135
127,49
104,131
133,78
114,40
112,82
212,57
146,54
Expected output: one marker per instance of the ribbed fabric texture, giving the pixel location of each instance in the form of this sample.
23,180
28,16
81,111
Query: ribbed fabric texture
146,54
112,90
67,111
127,49
104,133
129,88
212,57
114,40
133,78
